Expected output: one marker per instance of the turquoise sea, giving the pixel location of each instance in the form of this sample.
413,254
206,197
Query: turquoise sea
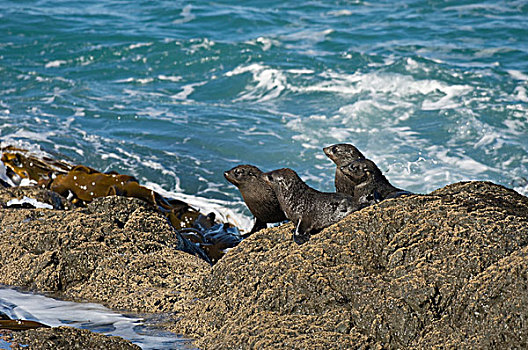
177,92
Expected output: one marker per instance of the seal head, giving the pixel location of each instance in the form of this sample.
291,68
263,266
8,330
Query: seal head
257,194
370,184
343,154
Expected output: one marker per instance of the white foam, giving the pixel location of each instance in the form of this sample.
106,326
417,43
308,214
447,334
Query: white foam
169,78
90,316
137,80
270,82
515,126
392,86
145,80
27,182
187,90
266,43
339,13
186,14
79,112
54,64
447,101
520,94
30,135
204,43
516,74
225,211
138,45
300,71
31,201
127,80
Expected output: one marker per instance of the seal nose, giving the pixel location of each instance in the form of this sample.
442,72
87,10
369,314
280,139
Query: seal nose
226,174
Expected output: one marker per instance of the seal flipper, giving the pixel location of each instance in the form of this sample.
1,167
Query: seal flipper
302,231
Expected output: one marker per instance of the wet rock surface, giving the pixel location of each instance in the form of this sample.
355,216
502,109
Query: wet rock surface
448,269
63,338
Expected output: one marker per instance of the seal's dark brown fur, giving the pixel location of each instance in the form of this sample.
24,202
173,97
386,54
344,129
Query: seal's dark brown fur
370,184
309,209
258,195
343,154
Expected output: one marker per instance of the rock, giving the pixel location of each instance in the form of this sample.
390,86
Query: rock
63,338
444,270
447,268
117,251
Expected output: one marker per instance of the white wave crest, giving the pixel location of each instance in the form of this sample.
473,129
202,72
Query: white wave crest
516,74
138,45
54,64
186,14
270,82
390,86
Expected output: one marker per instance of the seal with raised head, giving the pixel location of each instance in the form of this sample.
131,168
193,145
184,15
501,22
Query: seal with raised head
371,185
342,154
309,209
257,194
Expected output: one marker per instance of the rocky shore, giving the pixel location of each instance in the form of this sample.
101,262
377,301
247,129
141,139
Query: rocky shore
63,338
443,270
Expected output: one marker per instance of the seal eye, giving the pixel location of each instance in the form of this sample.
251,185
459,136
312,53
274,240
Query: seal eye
334,149
238,172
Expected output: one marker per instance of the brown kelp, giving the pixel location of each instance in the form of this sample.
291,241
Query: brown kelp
82,184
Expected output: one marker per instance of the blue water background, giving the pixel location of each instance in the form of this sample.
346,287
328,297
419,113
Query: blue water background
177,92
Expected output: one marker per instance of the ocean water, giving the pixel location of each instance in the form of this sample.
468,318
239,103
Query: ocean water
177,92
94,317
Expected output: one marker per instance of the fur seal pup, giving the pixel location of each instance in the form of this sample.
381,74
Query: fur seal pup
371,186
257,194
309,209
342,154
